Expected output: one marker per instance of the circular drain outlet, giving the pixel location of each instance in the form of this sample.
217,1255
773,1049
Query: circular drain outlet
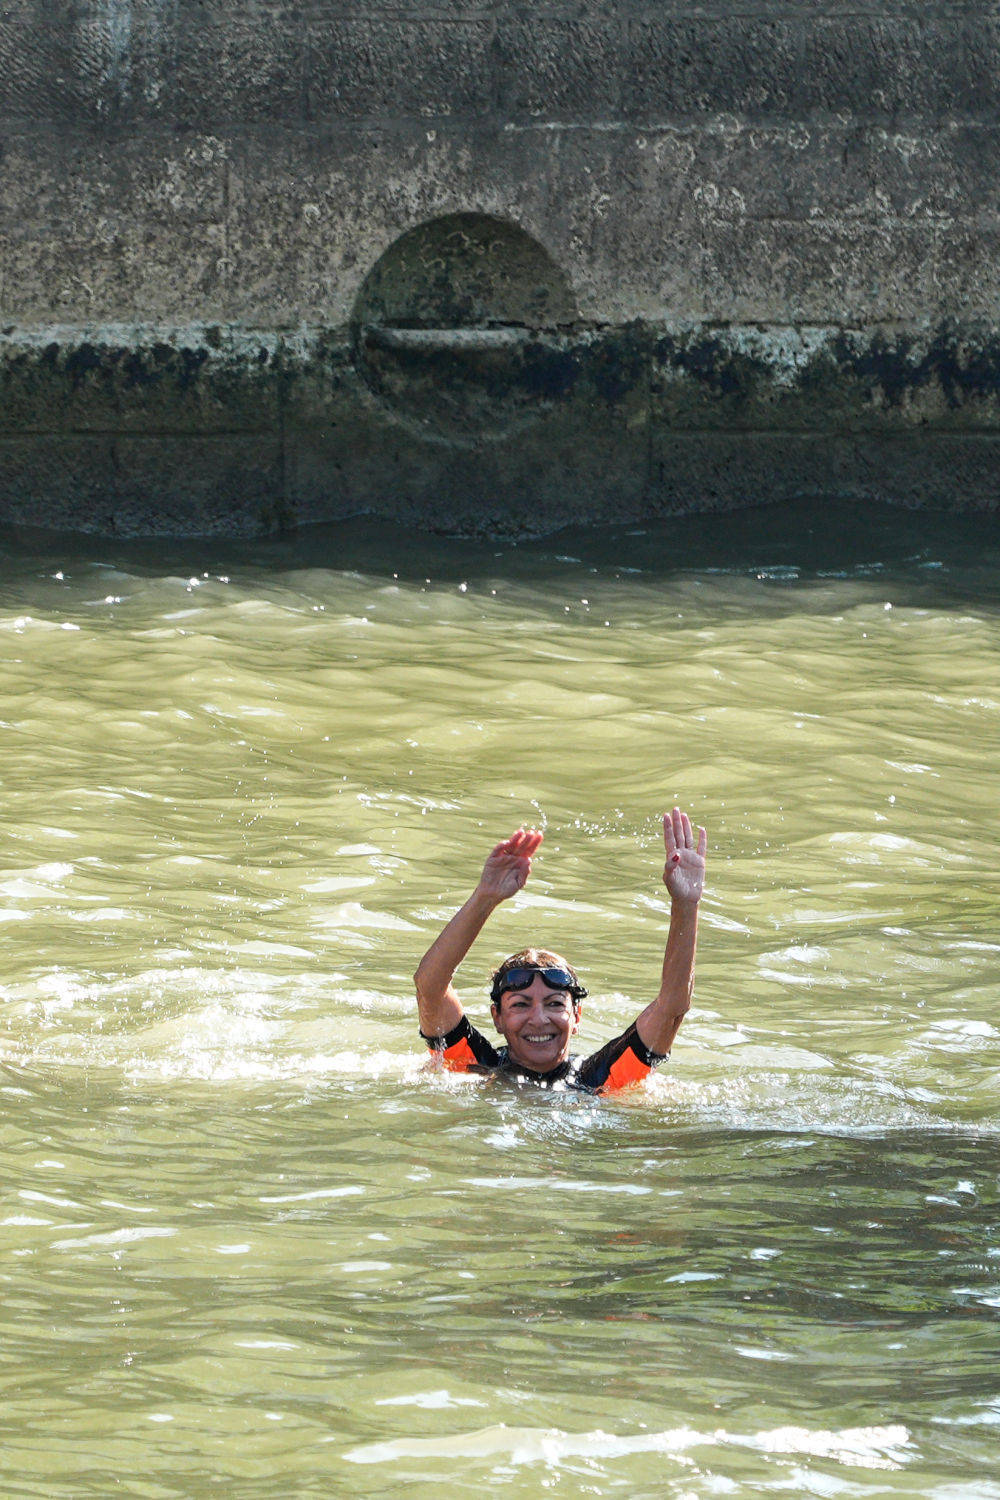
457,327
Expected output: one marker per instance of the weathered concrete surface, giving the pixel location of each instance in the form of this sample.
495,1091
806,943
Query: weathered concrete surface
489,266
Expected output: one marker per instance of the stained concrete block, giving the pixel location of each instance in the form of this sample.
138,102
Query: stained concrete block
800,380
967,272
792,170
227,485
956,171
690,65
366,67
581,450
134,275
324,394
177,182
786,62
849,273
730,471
559,67
979,64
46,282
956,474
61,61
63,180
497,486
811,170
898,66
113,231
160,285
81,184
304,263
64,481
910,175
708,381
150,486
226,67
199,384
626,230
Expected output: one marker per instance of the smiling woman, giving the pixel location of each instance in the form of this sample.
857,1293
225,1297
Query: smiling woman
536,995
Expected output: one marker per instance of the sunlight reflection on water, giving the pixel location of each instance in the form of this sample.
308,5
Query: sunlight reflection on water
247,1229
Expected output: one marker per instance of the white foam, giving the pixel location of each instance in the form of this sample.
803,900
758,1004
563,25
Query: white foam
855,1447
430,1400
116,1237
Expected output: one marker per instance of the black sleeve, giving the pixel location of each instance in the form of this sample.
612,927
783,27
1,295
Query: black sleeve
464,1047
618,1064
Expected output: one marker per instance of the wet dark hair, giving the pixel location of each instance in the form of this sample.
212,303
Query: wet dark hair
534,958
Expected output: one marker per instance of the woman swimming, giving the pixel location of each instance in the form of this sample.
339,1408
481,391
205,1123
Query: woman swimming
536,995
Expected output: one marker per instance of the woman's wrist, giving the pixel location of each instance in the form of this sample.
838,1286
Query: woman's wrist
486,900
684,906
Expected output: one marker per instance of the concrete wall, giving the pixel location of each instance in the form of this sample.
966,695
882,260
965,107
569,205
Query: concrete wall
494,265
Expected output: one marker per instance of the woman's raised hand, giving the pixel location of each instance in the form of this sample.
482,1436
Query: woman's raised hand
509,864
684,872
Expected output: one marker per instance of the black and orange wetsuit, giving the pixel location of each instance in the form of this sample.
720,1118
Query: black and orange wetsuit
617,1065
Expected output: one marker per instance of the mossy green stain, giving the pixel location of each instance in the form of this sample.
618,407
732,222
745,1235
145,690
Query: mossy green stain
713,363
618,364
963,368
550,374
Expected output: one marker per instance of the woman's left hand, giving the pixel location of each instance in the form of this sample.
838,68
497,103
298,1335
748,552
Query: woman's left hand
684,872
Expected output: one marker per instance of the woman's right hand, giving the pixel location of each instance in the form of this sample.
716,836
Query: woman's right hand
509,864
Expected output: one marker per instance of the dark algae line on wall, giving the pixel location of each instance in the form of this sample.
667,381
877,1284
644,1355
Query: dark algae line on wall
711,420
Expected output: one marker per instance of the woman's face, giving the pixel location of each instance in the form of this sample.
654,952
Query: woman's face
538,1024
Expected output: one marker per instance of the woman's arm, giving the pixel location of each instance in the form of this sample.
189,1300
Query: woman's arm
684,878
504,873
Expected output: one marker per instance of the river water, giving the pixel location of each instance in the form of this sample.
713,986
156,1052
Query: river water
252,1246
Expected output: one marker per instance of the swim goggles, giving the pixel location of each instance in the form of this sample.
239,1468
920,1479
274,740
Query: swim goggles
521,977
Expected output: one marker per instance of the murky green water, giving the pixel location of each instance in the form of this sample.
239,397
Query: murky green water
251,1247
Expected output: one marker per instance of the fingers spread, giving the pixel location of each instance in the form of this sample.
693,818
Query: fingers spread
524,841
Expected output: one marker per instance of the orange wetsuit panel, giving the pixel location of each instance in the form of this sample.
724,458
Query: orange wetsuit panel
464,1049
460,1057
626,1071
